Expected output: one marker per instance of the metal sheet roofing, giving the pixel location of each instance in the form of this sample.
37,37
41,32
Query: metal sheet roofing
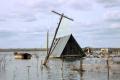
59,46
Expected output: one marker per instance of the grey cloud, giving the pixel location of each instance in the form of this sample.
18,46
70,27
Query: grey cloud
21,16
113,21
2,20
44,6
109,3
104,34
30,19
108,32
7,34
27,17
102,30
115,18
81,5
6,17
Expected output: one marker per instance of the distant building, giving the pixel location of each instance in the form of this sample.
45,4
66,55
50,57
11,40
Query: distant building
66,46
115,51
104,52
88,51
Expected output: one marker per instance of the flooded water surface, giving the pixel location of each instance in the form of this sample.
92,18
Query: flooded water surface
56,69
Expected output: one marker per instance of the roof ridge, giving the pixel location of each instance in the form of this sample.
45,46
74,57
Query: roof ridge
64,36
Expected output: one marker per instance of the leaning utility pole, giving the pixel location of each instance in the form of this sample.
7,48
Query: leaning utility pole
49,53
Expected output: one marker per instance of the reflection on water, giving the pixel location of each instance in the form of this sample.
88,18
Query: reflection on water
56,69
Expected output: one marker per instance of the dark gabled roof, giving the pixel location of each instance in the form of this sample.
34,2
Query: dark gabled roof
59,45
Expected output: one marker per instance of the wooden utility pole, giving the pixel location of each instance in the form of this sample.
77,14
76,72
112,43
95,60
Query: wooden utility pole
81,64
49,53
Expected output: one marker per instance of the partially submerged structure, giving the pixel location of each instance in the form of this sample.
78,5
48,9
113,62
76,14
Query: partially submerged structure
62,49
66,46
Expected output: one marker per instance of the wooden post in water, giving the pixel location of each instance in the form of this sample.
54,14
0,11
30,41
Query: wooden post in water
14,75
81,69
62,69
81,75
108,65
49,53
81,65
0,65
47,41
28,72
37,58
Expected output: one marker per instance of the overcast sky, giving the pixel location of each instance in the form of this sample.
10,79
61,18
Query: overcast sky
23,23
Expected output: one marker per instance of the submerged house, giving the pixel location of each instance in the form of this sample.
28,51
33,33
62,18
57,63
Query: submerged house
66,46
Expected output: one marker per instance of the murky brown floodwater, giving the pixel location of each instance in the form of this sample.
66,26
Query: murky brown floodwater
57,69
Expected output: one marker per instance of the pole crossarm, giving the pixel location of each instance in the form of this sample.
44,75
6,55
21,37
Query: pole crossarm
63,15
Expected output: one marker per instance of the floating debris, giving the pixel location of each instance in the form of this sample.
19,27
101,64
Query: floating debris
22,55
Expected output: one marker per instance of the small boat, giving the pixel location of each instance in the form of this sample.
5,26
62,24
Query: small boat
22,55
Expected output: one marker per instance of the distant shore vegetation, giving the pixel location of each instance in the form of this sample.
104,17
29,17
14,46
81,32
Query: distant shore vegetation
23,49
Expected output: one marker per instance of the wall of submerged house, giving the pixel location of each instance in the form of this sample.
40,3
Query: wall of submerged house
72,49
